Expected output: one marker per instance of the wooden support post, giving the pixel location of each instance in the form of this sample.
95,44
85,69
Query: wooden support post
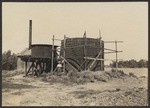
64,54
52,59
43,66
32,65
101,62
85,50
116,56
55,70
32,69
26,67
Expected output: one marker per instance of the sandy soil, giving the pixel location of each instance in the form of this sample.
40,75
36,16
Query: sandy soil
31,91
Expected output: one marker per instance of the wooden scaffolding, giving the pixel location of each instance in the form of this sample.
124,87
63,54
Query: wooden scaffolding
92,59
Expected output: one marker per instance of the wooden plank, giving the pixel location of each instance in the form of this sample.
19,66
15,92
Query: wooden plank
109,49
85,42
94,61
80,46
113,41
58,39
64,54
68,63
26,68
30,68
52,59
90,58
112,52
100,50
83,62
116,56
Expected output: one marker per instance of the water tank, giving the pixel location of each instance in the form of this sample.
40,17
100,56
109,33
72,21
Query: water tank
75,51
42,51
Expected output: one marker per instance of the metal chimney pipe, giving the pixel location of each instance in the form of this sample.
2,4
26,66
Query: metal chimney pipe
30,33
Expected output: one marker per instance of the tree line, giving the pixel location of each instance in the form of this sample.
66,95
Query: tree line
131,64
9,61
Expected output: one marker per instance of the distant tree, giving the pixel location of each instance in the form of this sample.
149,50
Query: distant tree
9,62
121,64
130,64
142,63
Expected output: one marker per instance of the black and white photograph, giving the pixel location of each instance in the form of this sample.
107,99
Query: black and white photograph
74,53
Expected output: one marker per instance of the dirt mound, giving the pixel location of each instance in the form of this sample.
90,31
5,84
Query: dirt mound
132,97
84,77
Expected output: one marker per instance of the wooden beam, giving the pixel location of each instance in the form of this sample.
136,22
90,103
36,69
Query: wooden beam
68,63
116,56
112,52
80,46
64,54
52,59
101,62
26,67
90,58
94,60
58,39
109,49
30,68
83,63
84,37
113,41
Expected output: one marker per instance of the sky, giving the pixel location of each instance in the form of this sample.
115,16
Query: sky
122,21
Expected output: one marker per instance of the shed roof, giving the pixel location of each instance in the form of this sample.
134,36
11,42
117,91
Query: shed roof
25,52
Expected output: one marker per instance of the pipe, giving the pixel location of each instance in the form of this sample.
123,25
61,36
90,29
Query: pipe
30,33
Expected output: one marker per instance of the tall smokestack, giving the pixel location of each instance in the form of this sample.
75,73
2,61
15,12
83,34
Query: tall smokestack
30,33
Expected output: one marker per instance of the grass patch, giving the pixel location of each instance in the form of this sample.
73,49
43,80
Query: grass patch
131,74
6,85
83,77
12,73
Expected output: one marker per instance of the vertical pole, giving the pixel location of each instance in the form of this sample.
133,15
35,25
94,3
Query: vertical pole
85,50
43,66
64,54
30,33
100,49
26,68
52,59
32,69
116,57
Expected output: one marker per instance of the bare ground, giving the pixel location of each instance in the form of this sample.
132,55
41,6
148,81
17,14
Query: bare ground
31,91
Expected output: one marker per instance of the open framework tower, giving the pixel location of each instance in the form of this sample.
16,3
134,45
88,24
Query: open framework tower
83,53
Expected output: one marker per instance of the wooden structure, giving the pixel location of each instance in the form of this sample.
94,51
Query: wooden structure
77,54
114,51
40,59
41,56
77,51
